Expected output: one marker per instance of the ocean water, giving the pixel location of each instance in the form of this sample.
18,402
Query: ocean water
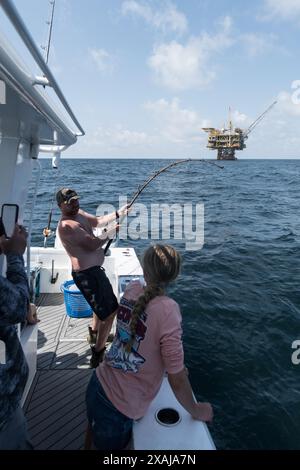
239,295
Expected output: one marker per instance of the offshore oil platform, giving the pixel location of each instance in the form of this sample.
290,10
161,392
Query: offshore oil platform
227,141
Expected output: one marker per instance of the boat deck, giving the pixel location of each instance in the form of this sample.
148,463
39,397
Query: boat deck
55,406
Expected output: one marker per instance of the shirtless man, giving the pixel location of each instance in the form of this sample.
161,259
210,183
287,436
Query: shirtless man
85,250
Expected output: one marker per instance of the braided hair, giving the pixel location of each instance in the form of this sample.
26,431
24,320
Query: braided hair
161,264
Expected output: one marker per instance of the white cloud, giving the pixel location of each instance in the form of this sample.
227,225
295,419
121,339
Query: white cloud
225,23
284,9
278,134
168,18
289,103
102,59
117,137
176,124
181,67
259,44
240,119
63,12
175,130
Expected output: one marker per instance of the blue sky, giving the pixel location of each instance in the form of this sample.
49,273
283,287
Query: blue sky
143,76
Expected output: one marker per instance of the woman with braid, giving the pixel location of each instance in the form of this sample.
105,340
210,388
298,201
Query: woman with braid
146,346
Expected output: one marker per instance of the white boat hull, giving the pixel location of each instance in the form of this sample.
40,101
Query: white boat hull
187,434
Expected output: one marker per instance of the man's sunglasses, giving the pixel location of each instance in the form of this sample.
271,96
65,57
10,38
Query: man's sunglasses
69,201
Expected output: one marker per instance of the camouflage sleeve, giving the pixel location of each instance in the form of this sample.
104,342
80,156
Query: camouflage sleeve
14,292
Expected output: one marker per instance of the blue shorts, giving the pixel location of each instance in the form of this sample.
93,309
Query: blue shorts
111,429
13,436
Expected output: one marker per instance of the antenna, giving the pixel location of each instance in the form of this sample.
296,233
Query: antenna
258,120
46,48
230,121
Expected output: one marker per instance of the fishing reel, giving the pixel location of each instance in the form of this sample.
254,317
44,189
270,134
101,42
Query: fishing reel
47,232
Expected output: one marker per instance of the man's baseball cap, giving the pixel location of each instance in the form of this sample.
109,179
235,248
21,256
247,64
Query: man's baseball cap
65,195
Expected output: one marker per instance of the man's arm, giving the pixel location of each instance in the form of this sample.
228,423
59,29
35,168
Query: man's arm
119,214
106,219
93,220
80,237
14,290
99,221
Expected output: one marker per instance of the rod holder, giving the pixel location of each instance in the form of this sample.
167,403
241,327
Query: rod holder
53,278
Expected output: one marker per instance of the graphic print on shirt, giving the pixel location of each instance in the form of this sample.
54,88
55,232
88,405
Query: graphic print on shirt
117,356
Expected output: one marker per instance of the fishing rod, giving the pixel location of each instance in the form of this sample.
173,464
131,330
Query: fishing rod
46,47
151,178
47,232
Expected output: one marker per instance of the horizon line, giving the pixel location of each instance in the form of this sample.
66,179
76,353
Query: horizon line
165,158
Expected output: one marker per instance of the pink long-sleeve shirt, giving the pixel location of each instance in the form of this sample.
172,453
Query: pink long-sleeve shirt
131,381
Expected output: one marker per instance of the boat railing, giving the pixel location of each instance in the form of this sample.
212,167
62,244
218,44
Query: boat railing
47,79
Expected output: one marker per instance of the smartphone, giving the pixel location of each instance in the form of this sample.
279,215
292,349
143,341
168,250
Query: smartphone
2,229
9,217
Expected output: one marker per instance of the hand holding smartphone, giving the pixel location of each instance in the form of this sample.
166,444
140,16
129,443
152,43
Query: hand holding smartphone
2,229
9,218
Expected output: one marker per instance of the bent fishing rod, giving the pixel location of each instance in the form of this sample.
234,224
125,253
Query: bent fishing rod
152,177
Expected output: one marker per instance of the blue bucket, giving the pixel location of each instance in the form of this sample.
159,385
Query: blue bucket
76,305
